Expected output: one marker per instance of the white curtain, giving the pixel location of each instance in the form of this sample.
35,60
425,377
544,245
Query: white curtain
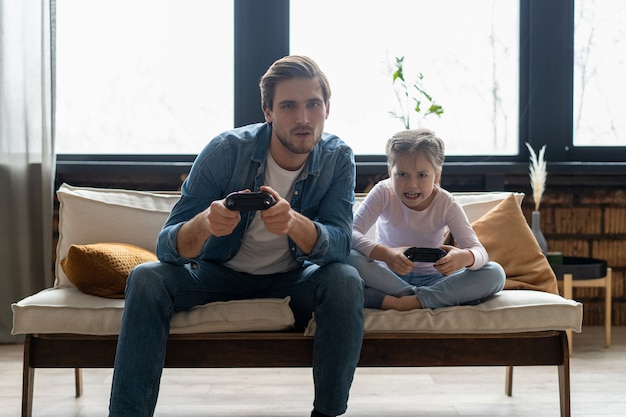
26,153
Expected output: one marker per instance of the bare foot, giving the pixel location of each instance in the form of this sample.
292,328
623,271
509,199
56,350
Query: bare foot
404,303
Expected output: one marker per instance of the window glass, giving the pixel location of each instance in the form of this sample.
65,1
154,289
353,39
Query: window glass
466,51
599,68
142,76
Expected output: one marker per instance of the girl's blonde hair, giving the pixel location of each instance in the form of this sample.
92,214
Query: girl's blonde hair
411,142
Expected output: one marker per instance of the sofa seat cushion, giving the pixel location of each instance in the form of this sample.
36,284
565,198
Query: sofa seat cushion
68,310
509,311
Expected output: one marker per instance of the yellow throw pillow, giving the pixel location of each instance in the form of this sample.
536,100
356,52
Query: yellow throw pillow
506,236
102,268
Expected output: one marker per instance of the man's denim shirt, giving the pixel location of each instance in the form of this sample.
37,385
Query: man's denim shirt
235,161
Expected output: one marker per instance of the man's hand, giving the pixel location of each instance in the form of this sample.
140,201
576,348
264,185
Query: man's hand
220,220
278,219
281,219
215,220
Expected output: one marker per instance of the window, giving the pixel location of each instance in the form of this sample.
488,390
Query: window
467,52
142,76
599,65
159,77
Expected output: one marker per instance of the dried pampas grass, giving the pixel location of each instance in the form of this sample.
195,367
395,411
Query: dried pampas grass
538,173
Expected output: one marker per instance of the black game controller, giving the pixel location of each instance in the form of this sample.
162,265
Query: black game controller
424,254
257,200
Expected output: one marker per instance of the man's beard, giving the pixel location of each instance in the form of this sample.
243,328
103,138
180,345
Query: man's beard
292,146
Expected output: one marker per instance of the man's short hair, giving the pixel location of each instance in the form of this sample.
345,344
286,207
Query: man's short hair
286,68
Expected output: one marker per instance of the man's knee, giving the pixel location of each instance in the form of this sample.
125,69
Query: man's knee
141,274
344,280
147,279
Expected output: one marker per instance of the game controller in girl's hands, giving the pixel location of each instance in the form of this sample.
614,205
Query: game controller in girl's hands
424,254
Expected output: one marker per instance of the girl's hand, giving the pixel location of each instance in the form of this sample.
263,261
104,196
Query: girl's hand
397,261
455,259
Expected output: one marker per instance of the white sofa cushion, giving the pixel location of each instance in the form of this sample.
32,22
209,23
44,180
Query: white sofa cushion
68,310
509,311
96,215
476,204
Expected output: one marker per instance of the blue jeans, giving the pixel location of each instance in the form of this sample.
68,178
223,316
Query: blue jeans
155,291
464,286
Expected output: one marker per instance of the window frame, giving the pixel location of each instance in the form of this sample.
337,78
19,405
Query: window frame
545,103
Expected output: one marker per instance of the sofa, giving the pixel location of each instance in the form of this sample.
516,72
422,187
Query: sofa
104,233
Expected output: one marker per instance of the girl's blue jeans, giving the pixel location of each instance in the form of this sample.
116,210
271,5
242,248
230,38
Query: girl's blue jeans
462,287
155,291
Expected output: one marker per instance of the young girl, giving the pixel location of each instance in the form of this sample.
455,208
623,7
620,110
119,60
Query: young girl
410,209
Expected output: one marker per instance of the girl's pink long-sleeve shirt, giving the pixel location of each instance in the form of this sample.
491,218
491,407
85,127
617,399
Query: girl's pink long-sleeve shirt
399,226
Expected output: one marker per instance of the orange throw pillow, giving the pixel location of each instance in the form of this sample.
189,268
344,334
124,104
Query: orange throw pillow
102,268
506,236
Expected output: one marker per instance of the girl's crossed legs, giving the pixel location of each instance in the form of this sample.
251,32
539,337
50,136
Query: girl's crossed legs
386,290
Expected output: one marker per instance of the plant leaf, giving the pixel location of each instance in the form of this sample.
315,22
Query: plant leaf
538,173
435,109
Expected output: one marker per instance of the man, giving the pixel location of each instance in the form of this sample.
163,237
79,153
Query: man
295,248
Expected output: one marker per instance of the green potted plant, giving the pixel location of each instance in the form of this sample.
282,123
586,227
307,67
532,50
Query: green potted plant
413,99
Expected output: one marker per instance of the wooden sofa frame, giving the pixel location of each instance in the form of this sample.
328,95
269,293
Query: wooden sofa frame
290,349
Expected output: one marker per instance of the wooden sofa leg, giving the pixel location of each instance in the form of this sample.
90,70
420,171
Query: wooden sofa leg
564,389
28,380
78,376
564,380
508,384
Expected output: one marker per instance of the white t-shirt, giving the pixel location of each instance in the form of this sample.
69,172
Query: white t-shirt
263,252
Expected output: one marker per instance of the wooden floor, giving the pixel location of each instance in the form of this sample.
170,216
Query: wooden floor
598,378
